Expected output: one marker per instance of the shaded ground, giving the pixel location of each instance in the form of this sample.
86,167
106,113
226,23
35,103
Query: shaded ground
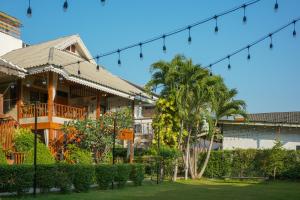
190,190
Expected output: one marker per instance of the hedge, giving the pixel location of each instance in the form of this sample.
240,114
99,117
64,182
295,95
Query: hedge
250,163
19,178
105,175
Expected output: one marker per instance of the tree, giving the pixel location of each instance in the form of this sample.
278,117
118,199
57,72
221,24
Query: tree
223,104
275,160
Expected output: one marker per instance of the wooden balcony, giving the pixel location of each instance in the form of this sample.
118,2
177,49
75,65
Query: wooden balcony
59,110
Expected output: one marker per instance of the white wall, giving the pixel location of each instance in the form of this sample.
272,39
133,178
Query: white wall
245,137
8,43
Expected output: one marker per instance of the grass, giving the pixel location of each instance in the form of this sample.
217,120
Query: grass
190,190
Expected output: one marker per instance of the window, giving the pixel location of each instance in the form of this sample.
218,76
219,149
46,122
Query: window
298,147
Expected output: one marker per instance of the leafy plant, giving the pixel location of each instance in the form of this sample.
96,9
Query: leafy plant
76,155
2,157
122,174
83,177
137,173
23,139
43,155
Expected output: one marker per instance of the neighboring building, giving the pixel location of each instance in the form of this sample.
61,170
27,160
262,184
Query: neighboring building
9,33
261,131
67,84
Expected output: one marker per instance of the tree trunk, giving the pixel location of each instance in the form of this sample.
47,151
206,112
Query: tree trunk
191,164
187,155
180,148
207,157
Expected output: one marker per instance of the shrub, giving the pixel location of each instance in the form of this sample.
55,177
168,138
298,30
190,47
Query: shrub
16,178
45,176
2,157
137,173
83,177
64,176
122,174
105,175
23,139
78,156
43,155
243,162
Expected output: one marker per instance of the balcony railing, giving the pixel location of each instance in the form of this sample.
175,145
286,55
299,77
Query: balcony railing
59,110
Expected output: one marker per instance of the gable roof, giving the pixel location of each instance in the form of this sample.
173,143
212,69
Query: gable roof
52,53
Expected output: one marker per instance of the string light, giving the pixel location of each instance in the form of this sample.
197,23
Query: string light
78,72
141,51
189,38
97,67
229,65
176,31
216,27
268,36
294,31
65,5
248,56
271,41
276,6
244,18
29,10
164,44
210,70
119,57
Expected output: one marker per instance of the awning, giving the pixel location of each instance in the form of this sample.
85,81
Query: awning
11,69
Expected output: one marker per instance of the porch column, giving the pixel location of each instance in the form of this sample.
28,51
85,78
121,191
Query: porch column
98,108
19,98
1,104
50,102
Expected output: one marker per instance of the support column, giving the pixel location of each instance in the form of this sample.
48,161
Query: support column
50,103
98,108
1,105
19,99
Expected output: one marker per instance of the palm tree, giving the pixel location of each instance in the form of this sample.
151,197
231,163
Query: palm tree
223,104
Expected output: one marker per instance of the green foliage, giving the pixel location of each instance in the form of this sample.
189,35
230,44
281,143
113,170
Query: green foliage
275,160
45,176
83,177
105,175
137,173
122,174
43,155
2,157
78,156
166,122
23,139
16,178
252,163
64,176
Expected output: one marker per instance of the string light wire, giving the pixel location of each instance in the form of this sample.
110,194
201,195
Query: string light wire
174,32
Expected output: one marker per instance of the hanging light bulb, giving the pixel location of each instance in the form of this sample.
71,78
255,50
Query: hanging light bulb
189,38
29,10
27,84
141,51
276,6
103,2
65,5
97,67
210,70
294,31
244,18
60,78
164,44
248,56
271,41
119,57
229,65
216,27
44,81
12,86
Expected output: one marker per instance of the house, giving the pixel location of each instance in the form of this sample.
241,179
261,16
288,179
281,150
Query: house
62,80
261,130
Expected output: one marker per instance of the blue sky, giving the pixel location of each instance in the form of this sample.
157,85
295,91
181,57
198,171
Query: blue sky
269,82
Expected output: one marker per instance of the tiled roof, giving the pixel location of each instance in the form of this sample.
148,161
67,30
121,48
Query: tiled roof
276,117
52,53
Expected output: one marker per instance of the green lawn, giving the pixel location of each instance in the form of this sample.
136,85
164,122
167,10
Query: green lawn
191,190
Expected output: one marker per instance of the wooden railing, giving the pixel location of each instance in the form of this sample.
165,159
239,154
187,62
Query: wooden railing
28,111
6,134
59,110
69,112
18,157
